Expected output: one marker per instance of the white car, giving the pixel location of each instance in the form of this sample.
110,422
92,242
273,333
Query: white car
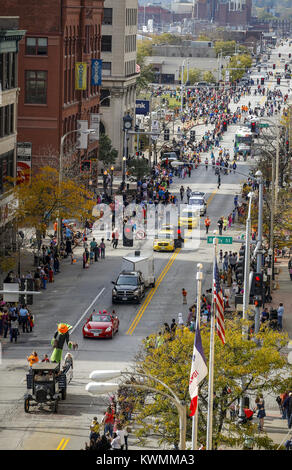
198,203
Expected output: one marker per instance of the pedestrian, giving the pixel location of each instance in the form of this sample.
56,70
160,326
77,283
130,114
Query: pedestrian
280,313
182,190
30,321
287,405
180,320
94,429
184,296
207,224
219,181
116,239
220,225
261,413
23,318
108,421
123,434
225,223
85,258
32,359
5,322
13,329
102,249
116,442
290,268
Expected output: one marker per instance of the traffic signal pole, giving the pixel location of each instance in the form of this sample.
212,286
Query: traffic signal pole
260,238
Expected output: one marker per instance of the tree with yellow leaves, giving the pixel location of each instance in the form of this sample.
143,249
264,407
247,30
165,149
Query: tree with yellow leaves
169,360
43,199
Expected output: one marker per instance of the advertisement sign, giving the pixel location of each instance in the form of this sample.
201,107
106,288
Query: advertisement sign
96,72
80,75
23,159
142,107
94,124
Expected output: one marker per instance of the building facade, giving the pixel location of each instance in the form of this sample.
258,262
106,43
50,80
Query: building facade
59,35
118,52
10,35
233,13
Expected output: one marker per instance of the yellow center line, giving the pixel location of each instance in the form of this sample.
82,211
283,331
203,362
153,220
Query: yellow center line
63,444
158,282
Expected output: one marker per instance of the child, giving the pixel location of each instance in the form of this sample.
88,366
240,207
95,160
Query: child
184,295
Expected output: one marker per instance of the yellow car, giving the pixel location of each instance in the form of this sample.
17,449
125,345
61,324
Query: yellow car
189,218
164,241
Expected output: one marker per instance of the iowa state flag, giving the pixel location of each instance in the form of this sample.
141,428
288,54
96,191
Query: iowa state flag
198,371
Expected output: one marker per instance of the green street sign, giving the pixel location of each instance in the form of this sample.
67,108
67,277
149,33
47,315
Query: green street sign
221,240
263,124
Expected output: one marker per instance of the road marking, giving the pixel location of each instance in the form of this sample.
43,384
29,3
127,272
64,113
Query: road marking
158,282
152,292
86,311
63,444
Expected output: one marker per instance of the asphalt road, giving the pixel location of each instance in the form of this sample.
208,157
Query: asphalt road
77,291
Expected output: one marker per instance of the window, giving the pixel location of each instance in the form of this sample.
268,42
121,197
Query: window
36,46
8,70
106,69
105,98
6,170
107,16
36,87
6,120
106,43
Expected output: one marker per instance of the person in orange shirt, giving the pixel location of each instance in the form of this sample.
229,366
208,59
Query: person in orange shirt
33,358
207,223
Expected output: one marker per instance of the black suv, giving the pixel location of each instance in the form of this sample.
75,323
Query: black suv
129,287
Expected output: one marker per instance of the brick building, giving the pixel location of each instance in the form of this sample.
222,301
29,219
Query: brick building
59,33
224,12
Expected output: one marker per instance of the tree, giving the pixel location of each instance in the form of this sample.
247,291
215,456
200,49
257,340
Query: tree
43,199
194,76
238,65
138,167
145,77
169,360
107,154
209,77
226,47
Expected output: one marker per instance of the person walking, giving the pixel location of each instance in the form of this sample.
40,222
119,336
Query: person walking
290,268
32,359
13,329
102,249
94,429
116,240
23,318
280,313
219,181
225,223
108,421
207,224
184,296
182,190
93,247
287,405
220,225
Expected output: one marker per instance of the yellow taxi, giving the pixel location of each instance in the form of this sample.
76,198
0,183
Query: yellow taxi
189,218
164,241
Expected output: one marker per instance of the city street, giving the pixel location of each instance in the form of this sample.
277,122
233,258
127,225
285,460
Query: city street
77,291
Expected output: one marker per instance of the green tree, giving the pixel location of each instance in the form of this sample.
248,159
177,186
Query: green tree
209,77
226,47
194,76
138,167
107,154
238,65
260,363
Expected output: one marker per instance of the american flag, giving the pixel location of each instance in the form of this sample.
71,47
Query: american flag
218,304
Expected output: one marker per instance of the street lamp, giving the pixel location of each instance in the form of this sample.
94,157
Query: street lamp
112,179
98,387
127,125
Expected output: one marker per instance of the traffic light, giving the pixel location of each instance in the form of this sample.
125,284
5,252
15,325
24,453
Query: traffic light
85,166
184,100
224,126
279,55
286,66
166,134
262,81
239,270
192,136
287,145
257,285
274,66
290,56
128,235
278,81
253,127
257,301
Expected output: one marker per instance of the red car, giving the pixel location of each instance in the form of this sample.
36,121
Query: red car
101,325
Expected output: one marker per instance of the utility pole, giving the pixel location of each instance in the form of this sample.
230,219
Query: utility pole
259,177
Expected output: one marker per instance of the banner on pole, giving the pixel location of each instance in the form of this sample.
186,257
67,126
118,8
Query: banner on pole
96,72
198,371
80,75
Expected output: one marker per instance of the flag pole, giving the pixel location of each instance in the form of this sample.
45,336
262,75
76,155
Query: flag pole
199,294
211,364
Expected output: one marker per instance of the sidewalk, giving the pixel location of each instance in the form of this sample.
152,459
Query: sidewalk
283,293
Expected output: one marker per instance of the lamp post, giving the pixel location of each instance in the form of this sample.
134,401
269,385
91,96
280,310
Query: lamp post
63,138
127,125
112,179
98,387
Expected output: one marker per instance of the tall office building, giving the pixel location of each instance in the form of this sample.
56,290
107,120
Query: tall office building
10,35
118,53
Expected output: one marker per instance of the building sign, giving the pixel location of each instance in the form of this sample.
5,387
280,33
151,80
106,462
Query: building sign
80,76
23,158
96,72
142,107
94,124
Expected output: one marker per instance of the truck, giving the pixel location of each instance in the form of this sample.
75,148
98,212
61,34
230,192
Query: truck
137,274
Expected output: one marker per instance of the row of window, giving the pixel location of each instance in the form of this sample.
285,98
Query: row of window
130,68
6,170
131,16
8,70
6,120
130,43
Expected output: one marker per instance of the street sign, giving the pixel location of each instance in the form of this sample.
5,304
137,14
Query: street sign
263,124
221,240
